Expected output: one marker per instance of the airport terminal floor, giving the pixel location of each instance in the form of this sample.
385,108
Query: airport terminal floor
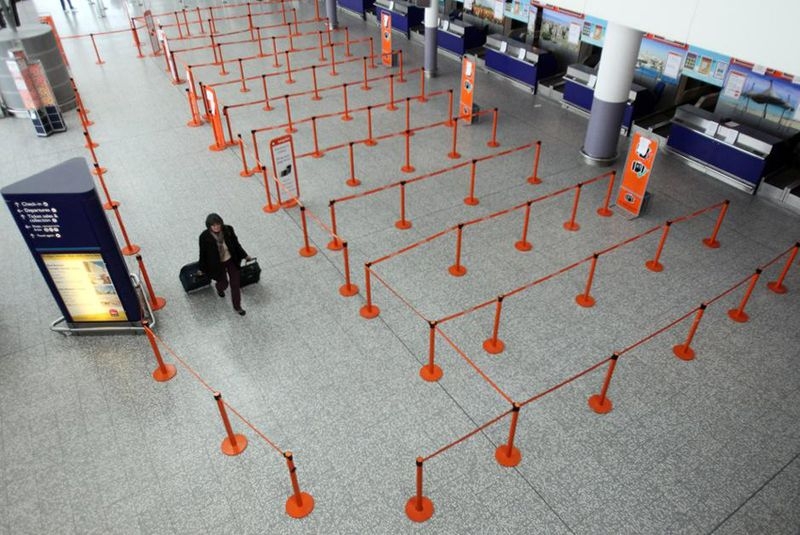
90,443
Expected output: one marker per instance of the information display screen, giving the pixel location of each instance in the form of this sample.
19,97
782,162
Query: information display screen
85,286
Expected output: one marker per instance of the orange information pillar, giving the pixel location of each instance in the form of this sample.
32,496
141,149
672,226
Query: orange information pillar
506,454
419,508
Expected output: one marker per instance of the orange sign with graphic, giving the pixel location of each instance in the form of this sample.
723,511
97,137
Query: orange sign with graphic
284,168
467,89
636,174
386,39
216,120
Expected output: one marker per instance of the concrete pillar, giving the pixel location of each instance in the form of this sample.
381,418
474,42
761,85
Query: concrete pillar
330,12
431,39
614,78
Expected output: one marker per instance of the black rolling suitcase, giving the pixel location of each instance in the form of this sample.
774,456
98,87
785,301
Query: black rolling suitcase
191,280
249,273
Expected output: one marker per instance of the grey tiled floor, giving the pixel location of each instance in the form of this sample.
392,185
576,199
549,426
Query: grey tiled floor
90,444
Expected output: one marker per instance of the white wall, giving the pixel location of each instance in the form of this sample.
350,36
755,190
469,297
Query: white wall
765,32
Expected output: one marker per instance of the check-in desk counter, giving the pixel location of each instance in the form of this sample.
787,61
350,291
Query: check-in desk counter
459,37
359,7
519,62
740,155
404,15
579,84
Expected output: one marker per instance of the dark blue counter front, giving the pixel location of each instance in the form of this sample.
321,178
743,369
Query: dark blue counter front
473,37
581,96
357,6
527,73
401,22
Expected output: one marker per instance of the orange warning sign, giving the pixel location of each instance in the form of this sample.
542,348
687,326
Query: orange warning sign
467,89
386,39
636,174
216,120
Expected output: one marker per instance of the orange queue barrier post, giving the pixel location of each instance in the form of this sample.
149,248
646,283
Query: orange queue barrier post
316,153
195,121
290,129
346,115
156,302
419,508
365,86
333,61
246,171
269,208
213,47
421,97
300,504
738,314
109,204
408,114
244,88
200,20
93,154
228,141
275,62
266,107
336,243
407,167
402,223
454,154
777,285
178,24
290,37
449,108
523,245
260,42
470,199
352,181
654,264
348,289
90,144
370,141
493,142
600,403
129,249
372,53
401,79
391,106
307,250
233,444
136,42
605,211
571,225
186,23
684,351
288,80
431,372
222,71
457,270
507,454
212,23
164,372
711,241
96,52
534,178
369,310
493,345
315,94
321,47
585,299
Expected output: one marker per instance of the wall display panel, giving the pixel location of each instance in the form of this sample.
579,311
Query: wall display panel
705,65
594,31
660,60
561,34
487,10
518,10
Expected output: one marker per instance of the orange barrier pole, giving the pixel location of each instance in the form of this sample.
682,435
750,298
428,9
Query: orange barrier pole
291,40
316,153
402,79
419,508
109,204
222,71
346,116
333,61
711,241
245,172
212,23
449,107
604,211
534,178
289,80
408,168
213,46
777,285
89,143
242,78
229,141
523,244
402,223
408,114
335,244
156,302
493,142
129,249
506,454
571,224
289,129
137,43
372,53
454,154
300,504
196,121
200,20
470,199
94,157
314,80
321,48
269,207
255,150
186,23
738,314
365,86
421,97
260,44
96,52
316,11
178,24
275,62
370,142
352,181
391,106
585,299
267,107
368,311
233,444
457,270
283,12
493,345
599,403
684,351
431,372
307,250
348,289
164,372
347,53
654,264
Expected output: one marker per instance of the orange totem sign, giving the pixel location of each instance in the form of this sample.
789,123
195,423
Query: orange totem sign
284,167
467,89
638,166
386,39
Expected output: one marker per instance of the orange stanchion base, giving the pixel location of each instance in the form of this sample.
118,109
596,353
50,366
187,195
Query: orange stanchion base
534,180
654,266
457,271
419,515
348,290
291,203
523,246
299,511
229,449
317,154
110,205
245,174
353,182
777,288
586,301
604,212
308,252
92,145
158,303
431,376
683,352
492,144
193,123
130,250
271,209
504,459
408,169
471,201
738,317
711,244
165,375
402,224
493,347
454,155
335,244
217,148
572,227
98,170
369,312
370,143
598,406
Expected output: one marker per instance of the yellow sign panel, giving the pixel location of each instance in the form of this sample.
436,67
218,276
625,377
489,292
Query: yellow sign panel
85,286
